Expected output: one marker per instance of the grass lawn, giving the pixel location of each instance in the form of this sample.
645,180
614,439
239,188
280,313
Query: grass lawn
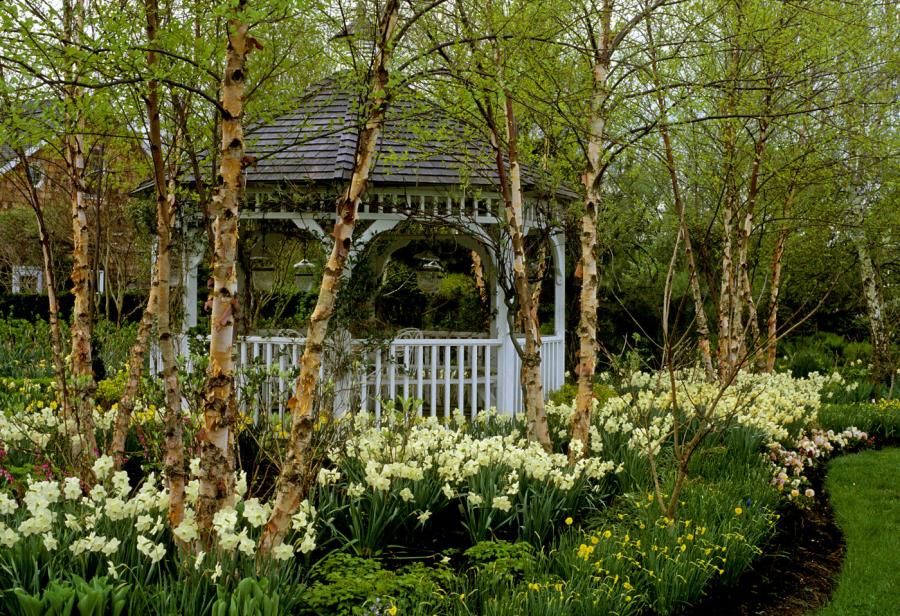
865,493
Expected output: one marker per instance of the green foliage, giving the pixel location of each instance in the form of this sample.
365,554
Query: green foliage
25,348
806,361
109,391
99,597
566,394
113,343
251,597
502,559
344,585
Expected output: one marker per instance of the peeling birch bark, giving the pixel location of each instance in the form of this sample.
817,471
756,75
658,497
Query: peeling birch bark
755,344
478,273
536,427
173,457
775,285
875,309
84,444
292,481
580,422
731,339
219,404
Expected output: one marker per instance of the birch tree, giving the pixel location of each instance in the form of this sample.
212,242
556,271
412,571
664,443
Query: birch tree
85,442
25,183
219,405
291,480
603,40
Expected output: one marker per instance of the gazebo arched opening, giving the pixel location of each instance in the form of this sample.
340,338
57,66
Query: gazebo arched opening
432,212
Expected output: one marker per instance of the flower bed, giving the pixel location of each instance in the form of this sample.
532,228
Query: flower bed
420,516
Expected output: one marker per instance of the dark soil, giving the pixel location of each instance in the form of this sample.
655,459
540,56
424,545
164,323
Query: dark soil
796,572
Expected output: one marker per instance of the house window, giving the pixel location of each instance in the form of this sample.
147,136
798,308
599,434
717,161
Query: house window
27,279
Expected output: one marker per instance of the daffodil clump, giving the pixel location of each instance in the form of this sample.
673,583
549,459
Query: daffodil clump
642,416
387,479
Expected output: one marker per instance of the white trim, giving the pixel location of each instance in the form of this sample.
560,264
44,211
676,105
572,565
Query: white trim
27,271
14,162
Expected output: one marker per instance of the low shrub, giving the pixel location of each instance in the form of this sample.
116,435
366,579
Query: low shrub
345,585
566,394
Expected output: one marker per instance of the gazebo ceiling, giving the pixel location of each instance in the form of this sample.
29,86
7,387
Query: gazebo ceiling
419,147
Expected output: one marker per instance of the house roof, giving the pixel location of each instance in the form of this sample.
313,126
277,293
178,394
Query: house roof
315,144
9,160
6,154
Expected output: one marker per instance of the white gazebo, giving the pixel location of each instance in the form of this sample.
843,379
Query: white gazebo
428,172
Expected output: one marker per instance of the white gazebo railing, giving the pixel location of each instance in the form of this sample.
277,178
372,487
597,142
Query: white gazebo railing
446,374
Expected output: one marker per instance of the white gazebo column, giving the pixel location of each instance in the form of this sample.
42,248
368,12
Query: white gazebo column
558,244
507,359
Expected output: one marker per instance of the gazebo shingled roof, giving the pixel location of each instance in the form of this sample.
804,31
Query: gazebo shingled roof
419,146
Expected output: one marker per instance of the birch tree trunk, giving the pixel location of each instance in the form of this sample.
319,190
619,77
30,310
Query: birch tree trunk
135,368
755,343
730,329
219,404
875,309
292,481
84,444
775,285
587,265
173,459
56,343
731,339
536,427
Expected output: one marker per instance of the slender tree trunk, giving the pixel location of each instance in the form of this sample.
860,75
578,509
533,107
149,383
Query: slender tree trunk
730,342
85,443
135,369
537,288
56,343
755,343
478,273
731,339
219,404
775,285
875,309
292,482
173,459
587,265
536,427
696,294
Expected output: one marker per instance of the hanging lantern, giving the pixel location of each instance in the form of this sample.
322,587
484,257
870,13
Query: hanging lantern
429,273
303,274
262,274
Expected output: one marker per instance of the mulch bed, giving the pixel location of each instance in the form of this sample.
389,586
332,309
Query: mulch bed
797,571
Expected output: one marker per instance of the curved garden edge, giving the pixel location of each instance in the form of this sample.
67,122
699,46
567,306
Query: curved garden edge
866,499
808,568
796,571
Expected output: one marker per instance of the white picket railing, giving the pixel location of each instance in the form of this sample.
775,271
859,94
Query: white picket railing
552,367
446,374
